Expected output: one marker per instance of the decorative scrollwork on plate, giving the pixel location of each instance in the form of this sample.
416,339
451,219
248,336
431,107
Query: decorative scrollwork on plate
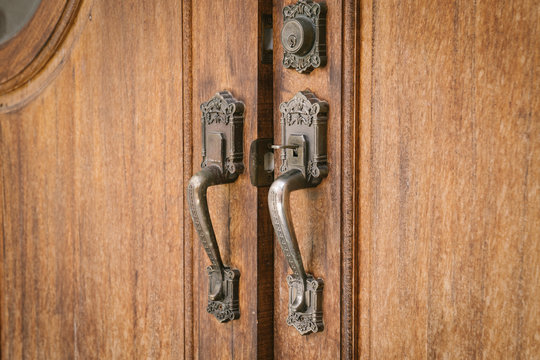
217,110
223,312
299,111
307,115
284,166
302,64
304,45
226,307
302,7
313,169
223,115
303,323
310,320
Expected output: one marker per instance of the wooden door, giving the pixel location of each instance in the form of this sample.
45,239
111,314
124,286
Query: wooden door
323,215
425,231
434,141
100,134
449,176
93,186
226,54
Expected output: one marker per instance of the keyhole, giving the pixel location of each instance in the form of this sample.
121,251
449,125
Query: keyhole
292,40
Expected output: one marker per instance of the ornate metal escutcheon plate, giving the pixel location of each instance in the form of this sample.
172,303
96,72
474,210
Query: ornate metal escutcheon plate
310,320
304,123
304,36
227,308
223,117
222,152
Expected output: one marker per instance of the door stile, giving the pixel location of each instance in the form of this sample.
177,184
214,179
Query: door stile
226,54
187,228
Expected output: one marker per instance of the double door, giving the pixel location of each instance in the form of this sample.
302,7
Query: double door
423,226
237,47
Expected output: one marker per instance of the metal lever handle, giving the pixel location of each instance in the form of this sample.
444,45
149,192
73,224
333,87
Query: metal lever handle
280,212
198,207
222,122
304,164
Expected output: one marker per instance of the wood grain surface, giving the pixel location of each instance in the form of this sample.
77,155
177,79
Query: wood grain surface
92,197
450,179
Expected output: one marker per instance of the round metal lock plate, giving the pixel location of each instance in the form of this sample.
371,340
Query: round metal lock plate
298,36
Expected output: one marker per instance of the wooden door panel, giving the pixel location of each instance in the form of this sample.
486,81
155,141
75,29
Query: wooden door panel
225,40
92,196
37,273
449,180
316,212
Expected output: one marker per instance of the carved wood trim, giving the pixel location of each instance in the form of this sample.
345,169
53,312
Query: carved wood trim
349,187
36,55
187,130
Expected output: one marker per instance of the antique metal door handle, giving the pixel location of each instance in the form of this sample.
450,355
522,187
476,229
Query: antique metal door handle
222,126
304,165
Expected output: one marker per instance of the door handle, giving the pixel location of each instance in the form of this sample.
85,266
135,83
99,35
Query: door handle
222,133
303,164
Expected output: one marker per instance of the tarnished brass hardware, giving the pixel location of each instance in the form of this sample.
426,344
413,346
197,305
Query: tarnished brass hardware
304,164
261,162
304,36
222,123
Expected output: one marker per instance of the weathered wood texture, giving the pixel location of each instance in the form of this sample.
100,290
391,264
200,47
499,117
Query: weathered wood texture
226,51
450,180
92,197
316,212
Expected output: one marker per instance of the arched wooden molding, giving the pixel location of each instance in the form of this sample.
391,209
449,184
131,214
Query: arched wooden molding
36,54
